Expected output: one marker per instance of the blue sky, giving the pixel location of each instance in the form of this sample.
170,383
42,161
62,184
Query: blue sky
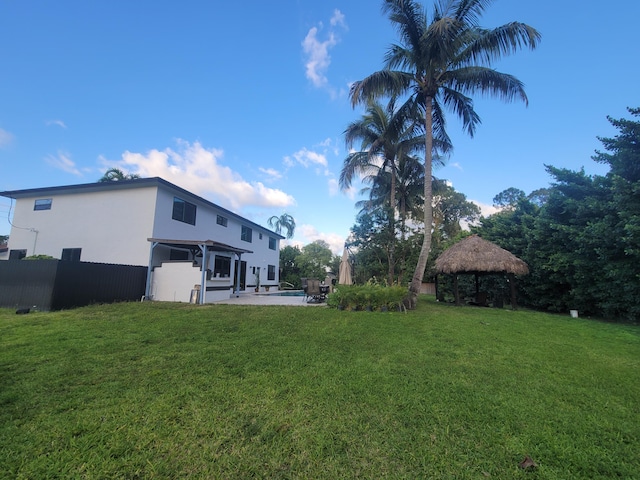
244,103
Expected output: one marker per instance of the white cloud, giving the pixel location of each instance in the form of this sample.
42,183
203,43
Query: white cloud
306,158
485,209
198,170
316,51
334,187
309,234
5,138
58,123
62,161
338,19
271,173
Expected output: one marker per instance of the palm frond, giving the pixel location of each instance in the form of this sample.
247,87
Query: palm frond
487,46
487,81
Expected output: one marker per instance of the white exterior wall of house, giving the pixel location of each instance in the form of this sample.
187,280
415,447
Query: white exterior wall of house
109,227
113,225
207,228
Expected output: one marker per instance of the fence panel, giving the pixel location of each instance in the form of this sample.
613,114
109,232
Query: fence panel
27,283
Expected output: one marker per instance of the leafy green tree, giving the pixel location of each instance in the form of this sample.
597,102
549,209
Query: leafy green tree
582,240
508,199
623,155
439,62
117,175
282,223
315,260
450,208
289,268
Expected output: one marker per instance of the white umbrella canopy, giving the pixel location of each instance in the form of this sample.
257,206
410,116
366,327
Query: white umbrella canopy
345,270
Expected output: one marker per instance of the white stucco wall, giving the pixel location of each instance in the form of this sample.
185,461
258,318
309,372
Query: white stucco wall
206,228
173,282
110,227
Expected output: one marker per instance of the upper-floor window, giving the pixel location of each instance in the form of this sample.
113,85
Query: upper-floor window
246,234
220,220
272,243
42,204
184,211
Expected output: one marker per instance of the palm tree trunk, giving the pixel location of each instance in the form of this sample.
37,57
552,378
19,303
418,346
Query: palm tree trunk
416,281
392,224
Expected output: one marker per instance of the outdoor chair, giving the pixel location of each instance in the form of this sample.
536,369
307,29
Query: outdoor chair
314,292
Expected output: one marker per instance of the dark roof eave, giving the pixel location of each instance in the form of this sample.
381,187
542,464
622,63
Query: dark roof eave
210,244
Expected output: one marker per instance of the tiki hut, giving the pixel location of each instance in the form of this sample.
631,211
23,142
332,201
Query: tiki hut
476,256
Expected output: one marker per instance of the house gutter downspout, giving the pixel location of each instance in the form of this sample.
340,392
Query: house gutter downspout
147,289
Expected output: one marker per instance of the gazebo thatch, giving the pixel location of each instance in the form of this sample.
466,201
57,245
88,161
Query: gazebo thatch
473,255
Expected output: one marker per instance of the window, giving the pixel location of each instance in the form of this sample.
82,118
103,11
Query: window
184,211
261,236
246,234
17,254
272,243
271,272
71,254
220,220
222,266
42,204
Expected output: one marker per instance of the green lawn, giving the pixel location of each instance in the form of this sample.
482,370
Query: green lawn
157,390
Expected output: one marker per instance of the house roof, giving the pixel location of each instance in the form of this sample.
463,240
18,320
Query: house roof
473,254
124,185
211,245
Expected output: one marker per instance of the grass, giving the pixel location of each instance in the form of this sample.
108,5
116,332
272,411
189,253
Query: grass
158,390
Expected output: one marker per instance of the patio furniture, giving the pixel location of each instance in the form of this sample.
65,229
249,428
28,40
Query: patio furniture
315,292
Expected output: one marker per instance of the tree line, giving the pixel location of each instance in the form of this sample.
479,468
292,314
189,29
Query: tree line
580,235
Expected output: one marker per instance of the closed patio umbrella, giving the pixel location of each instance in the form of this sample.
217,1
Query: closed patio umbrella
345,269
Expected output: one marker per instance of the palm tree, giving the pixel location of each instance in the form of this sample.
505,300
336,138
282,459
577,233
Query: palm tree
283,222
439,62
386,134
117,175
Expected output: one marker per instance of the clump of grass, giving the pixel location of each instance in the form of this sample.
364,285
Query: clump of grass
157,390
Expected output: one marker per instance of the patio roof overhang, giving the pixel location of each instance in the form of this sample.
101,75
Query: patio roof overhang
211,245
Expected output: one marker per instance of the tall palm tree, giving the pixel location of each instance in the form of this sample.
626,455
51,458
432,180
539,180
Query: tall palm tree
283,222
439,62
386,134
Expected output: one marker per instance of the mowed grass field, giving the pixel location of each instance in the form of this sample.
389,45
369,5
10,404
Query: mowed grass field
160,390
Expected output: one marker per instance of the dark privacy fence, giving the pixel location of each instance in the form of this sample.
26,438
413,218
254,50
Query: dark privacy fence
57,284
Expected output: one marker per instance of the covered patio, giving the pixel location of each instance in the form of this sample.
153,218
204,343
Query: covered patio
200,253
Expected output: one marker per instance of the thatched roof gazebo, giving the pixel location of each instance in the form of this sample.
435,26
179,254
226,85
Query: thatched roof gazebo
476,256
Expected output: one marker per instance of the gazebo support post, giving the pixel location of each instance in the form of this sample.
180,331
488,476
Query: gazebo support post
512,289
456,293
477,284
437,297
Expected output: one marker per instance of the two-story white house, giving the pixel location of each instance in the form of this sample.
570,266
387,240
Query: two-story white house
185,240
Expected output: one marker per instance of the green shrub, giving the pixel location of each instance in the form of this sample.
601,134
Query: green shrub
371,296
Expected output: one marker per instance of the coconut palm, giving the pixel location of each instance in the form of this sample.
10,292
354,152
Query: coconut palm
117,175
283,222
386,134
439,62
